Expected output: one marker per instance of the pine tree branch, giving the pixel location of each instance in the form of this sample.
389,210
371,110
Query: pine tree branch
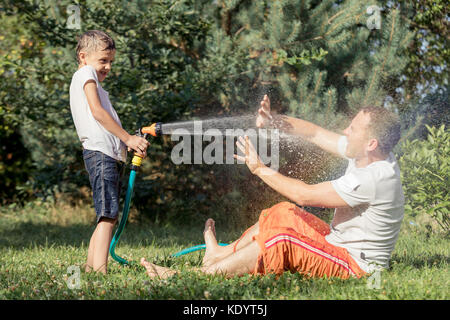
324,24
328,106
226,21
350,11
240,30
301,41
182,46
316,88
226,17
335,16
391,35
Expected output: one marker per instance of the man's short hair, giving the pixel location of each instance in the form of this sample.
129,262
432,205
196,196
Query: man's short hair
94,40
384,126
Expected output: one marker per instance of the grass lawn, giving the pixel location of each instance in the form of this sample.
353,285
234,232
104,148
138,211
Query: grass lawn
38,243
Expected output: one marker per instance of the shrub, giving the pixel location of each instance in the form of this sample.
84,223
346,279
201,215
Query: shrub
424,170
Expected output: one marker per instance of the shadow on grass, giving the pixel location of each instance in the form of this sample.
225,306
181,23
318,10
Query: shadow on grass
422,260
26,234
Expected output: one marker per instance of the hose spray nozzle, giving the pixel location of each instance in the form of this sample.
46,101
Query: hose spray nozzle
154,129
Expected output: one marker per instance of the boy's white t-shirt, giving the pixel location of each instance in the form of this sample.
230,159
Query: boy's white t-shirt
370,228
92,134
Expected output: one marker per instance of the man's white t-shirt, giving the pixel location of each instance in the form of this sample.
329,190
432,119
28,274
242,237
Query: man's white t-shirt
370,228
92,134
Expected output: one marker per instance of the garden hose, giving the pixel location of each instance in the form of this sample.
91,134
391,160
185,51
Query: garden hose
123,220
154,130
194,248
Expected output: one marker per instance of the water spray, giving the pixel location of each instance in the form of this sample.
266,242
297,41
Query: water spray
154,130
158,129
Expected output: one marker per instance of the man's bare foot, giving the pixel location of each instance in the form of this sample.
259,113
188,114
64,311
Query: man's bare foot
210,224
212,247
157,271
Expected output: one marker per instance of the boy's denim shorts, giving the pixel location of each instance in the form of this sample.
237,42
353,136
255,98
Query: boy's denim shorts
105,175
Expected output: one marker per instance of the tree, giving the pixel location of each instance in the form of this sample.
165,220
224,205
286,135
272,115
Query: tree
318,59
425,165
428,53
431,110
157,45
15,161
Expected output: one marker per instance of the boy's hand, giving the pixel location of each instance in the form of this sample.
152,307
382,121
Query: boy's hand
264,116
137,144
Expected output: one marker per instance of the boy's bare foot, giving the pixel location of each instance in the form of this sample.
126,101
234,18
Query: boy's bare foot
157,271
87,268
212,248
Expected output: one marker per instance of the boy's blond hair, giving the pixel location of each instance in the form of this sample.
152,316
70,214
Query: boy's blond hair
94,40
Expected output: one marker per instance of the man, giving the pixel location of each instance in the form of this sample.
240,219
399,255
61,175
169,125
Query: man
368,199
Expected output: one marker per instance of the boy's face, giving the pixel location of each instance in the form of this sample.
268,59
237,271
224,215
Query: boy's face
101,60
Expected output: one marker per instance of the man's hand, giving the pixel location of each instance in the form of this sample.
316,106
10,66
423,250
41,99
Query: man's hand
138,144
251,158
264,117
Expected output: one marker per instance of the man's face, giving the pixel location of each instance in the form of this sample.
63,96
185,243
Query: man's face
101,60
358,135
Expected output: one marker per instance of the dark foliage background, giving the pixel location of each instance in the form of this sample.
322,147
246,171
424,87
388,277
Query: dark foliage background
181,60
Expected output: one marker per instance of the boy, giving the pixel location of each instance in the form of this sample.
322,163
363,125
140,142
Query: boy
103,139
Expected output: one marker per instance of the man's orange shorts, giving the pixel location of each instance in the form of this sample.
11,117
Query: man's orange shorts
292,239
